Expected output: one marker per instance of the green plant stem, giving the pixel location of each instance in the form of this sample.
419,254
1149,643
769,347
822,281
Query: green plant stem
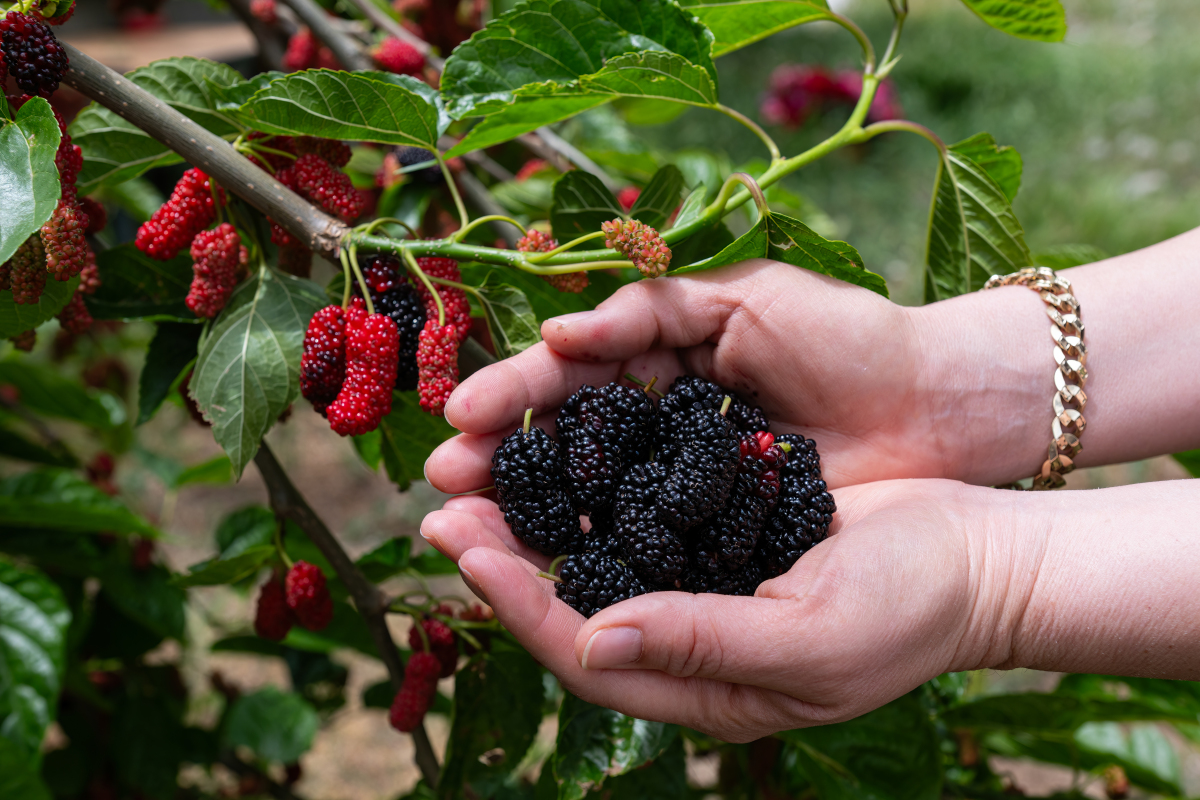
753,126
863,41
871,131
461,233
362,282
463,219
537,258
420,273
889,53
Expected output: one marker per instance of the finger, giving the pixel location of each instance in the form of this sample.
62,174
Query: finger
527,607
453,537
464,463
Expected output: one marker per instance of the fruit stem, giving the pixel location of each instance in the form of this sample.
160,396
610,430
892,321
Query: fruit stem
562,248
725,405
629,376
474,492
463,219
424,635
461,233
279,526
411,261
784,446
362,282
550,577
370,227
528,420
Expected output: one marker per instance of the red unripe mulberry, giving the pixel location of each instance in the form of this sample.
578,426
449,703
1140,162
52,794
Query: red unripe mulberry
301,51
454,301
216,255
74,316
323,363
63,240
25,272
399,57
308,596
97,217
437,366
327,186
441,644
416,693
372,351
536,241
272,618
189,210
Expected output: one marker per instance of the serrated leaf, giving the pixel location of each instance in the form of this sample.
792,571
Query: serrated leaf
243,529
17,317
497,710
546,301
660,197
136,286
29,187
407,436
171,350
973,232
530,108
1065,256
737,23
248,369
652,75
115,151
510,319
595,743
222,571
432,562
1041,20
44,391
562,40
692,207
33,631
59,499
275,725
355,106
581,204
1002,164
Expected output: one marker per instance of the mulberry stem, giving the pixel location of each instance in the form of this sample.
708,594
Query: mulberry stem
528,420
463,219
362,282
537,258
725,405
279,548
441,307
458,235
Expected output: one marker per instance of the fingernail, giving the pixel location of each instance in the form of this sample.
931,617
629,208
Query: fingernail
612,647
473,585
566,319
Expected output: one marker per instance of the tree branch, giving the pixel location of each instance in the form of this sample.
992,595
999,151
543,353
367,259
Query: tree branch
380,19
344,48
287,502
205,150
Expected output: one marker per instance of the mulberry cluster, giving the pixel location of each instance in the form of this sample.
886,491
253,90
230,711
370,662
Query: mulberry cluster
537,242
417,693
457,307
640,243
25,273
63,240
395,297
399,57
323,363
215,260
437,366
327,186
32,54
299,597
365,396
442,643
189,210
692,493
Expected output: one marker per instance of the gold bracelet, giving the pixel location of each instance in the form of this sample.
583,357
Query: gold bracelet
1069,377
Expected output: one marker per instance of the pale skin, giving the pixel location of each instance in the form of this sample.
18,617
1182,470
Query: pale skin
915,412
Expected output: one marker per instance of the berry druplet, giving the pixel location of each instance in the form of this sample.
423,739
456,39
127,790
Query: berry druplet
308,596
437,366
272,616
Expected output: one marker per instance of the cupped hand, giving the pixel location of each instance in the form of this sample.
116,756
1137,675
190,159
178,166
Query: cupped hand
826,359
912,583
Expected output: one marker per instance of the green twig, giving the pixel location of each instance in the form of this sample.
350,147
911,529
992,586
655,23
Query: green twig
420,273
463,219
537,258
753,126
461,233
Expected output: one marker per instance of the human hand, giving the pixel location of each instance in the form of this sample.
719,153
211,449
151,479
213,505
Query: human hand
914,581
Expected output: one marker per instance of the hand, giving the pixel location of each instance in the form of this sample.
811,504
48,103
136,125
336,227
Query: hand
897,595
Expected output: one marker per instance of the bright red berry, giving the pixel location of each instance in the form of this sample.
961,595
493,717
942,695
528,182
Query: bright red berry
273,618
308,596
628,196
327,186
441,644
457,307
372,352
536,241
437,366
301,51
35,59
74,316
399,57
640,243
97,217
264,11
62,238
189,210
336,153
530,168
59,12
215,258
25,272
323,364
416,693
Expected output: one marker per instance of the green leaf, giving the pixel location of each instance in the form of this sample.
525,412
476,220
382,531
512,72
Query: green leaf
14,445
357,106
497,710
973,232
530,108
115,151
59,499
1190,461
890,753
659,199
171,350
1042,20
581,203
1054,712
737,23
347,630
215,470
136,286
19,779
248,369
277,726
33,632
149,597
29,188
222,571
149,745
390,558
509,317
17,317
50,394
562,40
664,778
407,436
546,301
595,743
1002,164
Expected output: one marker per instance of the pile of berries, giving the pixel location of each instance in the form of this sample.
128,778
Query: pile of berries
691,493
348,374
300,596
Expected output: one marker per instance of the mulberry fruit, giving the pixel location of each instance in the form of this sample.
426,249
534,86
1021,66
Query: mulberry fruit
601,537
411,156
262,157
327,186
537,242
654,549
64,243
336,153
264,11
457,309
74,316
399,57
628,196
97,217
688,390
25,340
215,259
743,581
441,643
639,243
89,276
301,51
701,466
323,363
188,211
397,299
308,596
527,469
590,582
603,430
272,617
371,354
26,272
437,366
417,693
804,510
35,59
